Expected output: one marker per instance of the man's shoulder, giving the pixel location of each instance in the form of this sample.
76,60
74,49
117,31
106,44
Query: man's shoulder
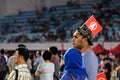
90,53
90,56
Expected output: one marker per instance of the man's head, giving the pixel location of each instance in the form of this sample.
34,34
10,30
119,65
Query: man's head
82,36
21,55
85,32
101,56
106,60
38,53
53,50
2,51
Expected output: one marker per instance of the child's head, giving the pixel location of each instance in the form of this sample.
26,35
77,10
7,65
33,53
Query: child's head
47,55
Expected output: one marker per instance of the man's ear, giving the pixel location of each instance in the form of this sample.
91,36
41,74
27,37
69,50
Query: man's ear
22,58
85,39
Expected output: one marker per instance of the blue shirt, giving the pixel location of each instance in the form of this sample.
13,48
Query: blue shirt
91,64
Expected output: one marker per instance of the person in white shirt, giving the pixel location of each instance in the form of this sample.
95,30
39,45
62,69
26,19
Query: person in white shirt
11,64
21,71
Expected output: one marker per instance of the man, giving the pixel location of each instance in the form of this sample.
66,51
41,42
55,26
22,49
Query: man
82,41
38,61
107,68
55,60
11,64
101,65
3,65
21,71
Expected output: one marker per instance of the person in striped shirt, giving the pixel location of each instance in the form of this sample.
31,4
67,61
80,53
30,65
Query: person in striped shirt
21,71
46,69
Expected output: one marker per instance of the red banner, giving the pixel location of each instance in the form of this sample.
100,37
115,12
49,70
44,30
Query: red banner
93,25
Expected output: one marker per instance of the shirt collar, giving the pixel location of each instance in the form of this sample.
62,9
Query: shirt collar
21,66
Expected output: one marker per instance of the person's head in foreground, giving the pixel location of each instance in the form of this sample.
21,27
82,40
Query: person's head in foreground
21,55
82,37
47,55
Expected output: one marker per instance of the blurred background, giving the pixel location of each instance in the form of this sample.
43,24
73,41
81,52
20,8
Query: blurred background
40,24
43,23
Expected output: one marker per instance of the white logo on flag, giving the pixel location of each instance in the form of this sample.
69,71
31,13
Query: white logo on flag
101,79
93,26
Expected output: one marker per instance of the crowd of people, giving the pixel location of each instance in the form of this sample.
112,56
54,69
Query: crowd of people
103,11
43,65
77,63
50,62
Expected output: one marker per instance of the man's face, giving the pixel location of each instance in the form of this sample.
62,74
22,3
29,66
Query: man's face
105,61
101,57
77,40
17,57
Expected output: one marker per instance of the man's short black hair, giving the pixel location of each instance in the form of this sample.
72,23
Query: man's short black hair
53,50
106,59
2,51
47,55
22,45
23,52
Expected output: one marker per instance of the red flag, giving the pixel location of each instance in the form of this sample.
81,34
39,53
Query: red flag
101,76
93,25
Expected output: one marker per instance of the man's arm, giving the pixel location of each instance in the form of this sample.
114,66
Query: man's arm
10,69
12,75
118,69
37,73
